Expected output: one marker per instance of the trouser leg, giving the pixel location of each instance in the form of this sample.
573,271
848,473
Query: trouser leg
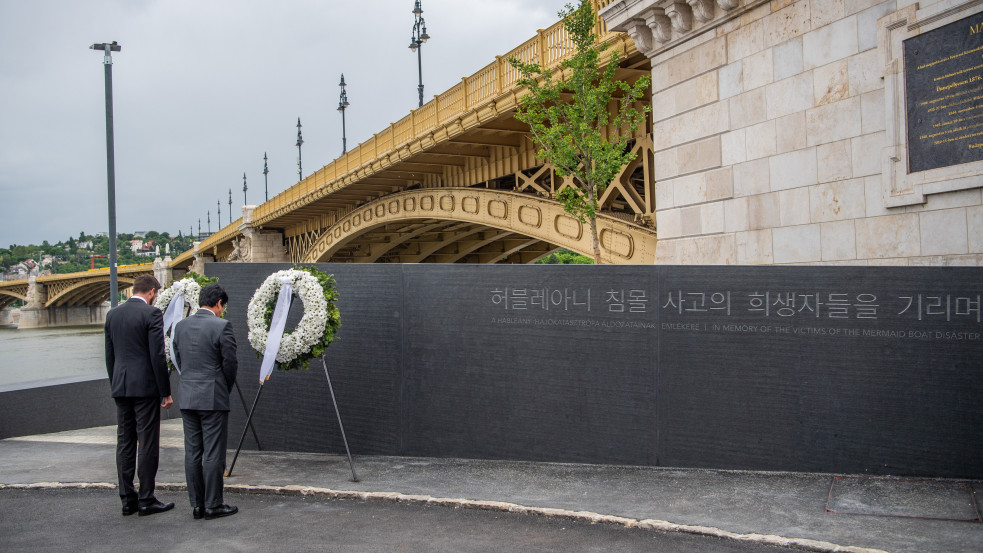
192,457
148,436
126,448
215,436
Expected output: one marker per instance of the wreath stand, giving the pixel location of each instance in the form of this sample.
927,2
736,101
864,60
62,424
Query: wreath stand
249,425
334,402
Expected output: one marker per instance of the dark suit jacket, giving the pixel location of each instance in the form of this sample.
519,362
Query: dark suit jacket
205,347
135,350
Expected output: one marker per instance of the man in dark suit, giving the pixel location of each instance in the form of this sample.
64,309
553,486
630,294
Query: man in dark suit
138,377
205,347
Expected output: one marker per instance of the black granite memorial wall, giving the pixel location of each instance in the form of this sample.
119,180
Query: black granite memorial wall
25,411
846,370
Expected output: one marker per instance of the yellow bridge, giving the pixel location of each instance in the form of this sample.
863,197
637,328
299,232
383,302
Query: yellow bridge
87,288
455,181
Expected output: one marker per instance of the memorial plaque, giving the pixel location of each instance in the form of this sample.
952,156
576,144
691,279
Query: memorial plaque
944,95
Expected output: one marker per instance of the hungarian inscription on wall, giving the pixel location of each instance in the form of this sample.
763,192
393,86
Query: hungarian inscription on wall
944,94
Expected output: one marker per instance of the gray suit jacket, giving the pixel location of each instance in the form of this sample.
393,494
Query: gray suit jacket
205,347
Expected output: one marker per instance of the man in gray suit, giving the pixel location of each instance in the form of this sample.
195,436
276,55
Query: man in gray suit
205,348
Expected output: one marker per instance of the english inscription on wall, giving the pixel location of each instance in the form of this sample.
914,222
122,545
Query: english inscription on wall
944,93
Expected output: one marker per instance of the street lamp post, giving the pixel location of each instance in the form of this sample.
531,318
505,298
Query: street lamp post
219,210
209,215
244,188
230,205
199,228
342,104
108,49
417,39
300,142
266,182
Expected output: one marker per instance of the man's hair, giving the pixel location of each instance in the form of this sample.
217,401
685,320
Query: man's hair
212,294
145,283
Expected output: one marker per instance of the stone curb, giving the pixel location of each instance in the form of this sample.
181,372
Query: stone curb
502,506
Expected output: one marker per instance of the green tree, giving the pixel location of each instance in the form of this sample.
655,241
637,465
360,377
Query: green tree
565,257
572,134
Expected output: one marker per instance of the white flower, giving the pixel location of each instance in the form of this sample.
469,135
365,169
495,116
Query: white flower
191,290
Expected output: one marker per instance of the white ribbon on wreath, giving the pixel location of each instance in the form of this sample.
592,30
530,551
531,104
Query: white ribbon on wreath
276,345
172,301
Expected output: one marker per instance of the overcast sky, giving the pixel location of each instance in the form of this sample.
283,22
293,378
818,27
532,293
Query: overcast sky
202,88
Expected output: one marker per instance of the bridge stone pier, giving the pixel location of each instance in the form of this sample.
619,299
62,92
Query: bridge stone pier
6,317
809,132
253,245
80,315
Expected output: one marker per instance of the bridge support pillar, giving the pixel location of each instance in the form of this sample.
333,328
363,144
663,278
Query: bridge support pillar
6,316
198,265
79,315
257,245
162,271
264,246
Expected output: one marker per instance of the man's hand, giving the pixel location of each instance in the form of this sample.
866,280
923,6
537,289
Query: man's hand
167,402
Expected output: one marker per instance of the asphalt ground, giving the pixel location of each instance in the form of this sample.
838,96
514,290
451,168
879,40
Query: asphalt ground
81,520
717,509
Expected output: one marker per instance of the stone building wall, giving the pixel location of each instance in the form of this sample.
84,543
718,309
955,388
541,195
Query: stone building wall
779,133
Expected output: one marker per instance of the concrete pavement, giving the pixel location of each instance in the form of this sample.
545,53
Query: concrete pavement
790,509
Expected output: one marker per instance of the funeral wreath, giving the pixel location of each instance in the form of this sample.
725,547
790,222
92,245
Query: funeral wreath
318,324
190,287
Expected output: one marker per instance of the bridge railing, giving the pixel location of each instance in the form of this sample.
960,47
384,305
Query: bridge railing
548,48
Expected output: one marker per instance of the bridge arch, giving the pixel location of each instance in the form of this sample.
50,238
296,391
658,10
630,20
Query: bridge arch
10,295
88,291
472,225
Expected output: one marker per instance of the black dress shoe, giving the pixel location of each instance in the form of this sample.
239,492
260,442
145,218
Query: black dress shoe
198,513
155,507
223,511
129,509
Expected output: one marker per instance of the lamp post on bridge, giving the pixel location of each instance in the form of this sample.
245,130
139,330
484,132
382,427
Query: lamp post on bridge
108,49
199,228
230,205
300,142
209,215
244,188
219,209
266,182
342,104
417,39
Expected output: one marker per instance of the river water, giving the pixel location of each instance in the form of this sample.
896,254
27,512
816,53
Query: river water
46,356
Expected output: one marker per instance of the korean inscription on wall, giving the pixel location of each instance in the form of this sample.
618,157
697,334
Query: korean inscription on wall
583,306
898,315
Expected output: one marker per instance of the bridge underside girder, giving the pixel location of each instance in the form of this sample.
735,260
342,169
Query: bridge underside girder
7,298
467,225
435,241
85,291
